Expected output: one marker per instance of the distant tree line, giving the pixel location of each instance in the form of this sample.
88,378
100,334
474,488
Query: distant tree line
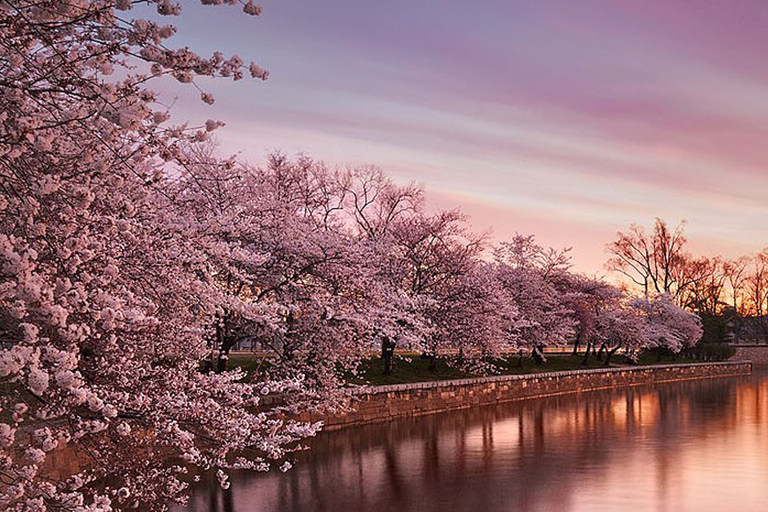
730,295
325,264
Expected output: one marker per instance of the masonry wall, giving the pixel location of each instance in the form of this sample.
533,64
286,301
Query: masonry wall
757,354
384,403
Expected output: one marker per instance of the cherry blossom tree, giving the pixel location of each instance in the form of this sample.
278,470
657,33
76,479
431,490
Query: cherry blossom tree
106,289
376,203
298,279
669,325
528,272
459,305
633,324
587,297
622,327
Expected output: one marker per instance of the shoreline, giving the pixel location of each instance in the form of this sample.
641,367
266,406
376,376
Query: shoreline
377,404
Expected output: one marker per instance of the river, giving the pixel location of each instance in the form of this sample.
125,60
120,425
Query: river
691,446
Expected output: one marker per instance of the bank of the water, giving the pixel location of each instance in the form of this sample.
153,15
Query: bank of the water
757,354
384,403
690,446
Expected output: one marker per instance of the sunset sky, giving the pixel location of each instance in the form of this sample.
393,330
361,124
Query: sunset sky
567,119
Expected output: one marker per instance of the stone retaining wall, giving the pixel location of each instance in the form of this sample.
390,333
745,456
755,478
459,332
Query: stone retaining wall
757,354
384,403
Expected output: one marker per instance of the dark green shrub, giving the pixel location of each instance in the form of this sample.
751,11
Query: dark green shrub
713,351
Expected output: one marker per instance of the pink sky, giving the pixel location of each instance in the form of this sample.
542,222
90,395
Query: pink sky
566,119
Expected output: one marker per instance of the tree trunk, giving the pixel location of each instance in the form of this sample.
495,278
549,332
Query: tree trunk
222,363
226,500
388,365
577,342
609,354
208,364
601,352
432,362
585,361
387,354
223,341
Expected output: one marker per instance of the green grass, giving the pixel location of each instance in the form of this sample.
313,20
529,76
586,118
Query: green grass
412,368
409,368
250,363
415,369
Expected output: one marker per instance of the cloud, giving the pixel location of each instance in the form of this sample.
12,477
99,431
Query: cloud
575,118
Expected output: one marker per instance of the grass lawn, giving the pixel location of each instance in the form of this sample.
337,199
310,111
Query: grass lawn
412,368
250,363
415,369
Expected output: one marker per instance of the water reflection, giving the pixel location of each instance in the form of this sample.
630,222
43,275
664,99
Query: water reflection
693,446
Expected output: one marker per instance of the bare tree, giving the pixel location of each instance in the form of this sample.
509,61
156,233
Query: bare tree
701,285
757,289
655,261
737,275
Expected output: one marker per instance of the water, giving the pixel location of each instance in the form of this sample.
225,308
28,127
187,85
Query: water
691,446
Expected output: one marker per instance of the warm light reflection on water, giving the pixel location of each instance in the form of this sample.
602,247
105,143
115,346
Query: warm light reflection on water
691,446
